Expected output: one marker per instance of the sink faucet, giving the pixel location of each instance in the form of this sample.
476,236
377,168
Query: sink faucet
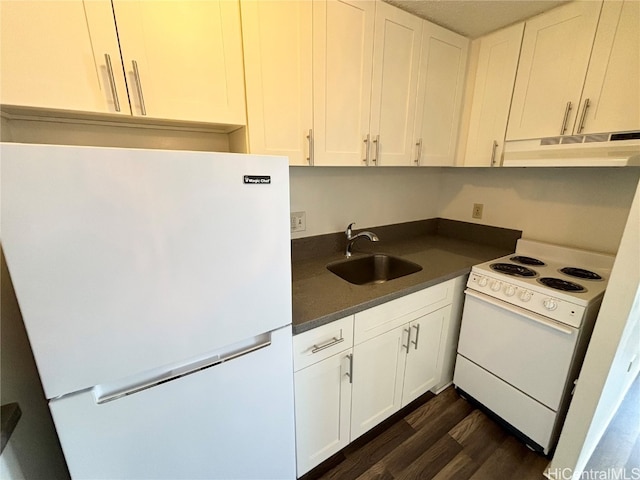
352,238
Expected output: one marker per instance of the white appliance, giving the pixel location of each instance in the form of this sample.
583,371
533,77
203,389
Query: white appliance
526,324
155,288
614,149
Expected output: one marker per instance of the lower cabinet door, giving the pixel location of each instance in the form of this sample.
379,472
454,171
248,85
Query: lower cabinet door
377,379
423,367
322,409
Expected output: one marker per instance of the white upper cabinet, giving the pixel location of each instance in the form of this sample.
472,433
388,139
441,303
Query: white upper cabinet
443,62
396,57
365,63
277,62
342,67
494,79
611,95
366,59
48,60
183,59
553,63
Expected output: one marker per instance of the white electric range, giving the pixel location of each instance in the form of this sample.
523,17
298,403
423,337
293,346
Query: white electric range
526,324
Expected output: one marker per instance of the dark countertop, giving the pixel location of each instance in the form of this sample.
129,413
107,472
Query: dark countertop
320,297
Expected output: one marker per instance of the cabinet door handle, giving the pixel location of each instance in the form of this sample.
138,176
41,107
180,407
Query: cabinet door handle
331,343
112,82
350,372
493,153
377,149
566,118
418,151
366,150
136,74
583,117
415,342
310,138
408,345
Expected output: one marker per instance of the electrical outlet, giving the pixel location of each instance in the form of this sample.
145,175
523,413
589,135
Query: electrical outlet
298,222
477,210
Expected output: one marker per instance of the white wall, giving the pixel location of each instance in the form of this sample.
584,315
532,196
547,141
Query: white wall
333,197
612,361
580,207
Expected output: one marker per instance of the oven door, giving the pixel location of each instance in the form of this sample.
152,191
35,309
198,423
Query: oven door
528,351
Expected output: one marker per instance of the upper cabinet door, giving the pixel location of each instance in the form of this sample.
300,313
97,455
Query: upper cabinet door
553,63
443,63
277,63
183,59
342,65
611,95
47,57
396,51
495,75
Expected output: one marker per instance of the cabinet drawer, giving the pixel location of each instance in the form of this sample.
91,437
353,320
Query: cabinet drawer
385,317
322,342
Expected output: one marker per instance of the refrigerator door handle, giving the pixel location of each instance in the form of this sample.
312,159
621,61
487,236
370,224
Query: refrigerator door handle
108,392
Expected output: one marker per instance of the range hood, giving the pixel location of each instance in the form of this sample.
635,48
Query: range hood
618,149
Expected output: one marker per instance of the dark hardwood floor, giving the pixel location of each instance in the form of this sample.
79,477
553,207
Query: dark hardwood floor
444,438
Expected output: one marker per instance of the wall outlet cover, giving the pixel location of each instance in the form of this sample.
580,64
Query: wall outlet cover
298,222
477,210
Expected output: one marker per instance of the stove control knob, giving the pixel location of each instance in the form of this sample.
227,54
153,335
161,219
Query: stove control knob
550,304
482,281
509,290
525,295
496,285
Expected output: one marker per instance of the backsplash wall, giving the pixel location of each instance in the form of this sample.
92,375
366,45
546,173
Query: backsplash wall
333,197
581,207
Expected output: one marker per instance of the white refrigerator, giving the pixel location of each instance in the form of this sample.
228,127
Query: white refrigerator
155,288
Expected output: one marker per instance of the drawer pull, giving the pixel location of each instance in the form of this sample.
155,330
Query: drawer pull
584,115
408,345
566,117
415,342
112,82
334,341
366,150
493,153
310,138
136,74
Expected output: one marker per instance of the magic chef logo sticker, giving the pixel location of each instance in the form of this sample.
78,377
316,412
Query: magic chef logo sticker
256,179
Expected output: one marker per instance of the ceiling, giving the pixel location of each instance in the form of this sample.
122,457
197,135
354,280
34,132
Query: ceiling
474,18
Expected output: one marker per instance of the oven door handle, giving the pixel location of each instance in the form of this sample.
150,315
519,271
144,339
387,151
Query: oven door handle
534,317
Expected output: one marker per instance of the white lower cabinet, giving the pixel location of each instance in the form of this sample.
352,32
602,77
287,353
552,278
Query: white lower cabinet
423,365
322,360
355,372
323,404
377,380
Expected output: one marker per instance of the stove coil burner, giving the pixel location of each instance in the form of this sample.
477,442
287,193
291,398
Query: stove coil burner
515,270
559,284
580,273
527,260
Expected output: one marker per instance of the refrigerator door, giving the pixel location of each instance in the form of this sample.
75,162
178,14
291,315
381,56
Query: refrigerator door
229,421
128,260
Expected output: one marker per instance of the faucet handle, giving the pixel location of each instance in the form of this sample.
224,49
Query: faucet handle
348,230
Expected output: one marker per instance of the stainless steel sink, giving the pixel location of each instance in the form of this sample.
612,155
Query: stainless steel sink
377,268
